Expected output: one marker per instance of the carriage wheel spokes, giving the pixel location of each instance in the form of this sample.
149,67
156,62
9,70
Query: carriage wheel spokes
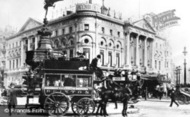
85,106
74,107
57,104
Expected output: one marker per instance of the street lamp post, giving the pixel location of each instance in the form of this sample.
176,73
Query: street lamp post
185,52
179,68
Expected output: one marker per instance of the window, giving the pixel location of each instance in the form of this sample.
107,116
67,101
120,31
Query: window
16,63
13,64
56,33
87,52
86,27
117,60
102,57
10,64
71,42
71,53
86,41
159,65
103,30
54,80
110,59
156,64
118,34
111,32
70,29
63,31
83,81
33,43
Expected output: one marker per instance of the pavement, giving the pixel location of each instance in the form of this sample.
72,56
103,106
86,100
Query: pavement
145,108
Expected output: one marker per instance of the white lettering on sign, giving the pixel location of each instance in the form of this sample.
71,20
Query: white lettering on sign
87,7
162,20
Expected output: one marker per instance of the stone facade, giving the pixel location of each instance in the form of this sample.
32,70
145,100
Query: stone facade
122,45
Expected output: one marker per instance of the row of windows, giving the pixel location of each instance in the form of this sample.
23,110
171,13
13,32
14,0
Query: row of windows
32,44
69,30
15,44
63,31
110,59
159,65
111,32
13,64
86,28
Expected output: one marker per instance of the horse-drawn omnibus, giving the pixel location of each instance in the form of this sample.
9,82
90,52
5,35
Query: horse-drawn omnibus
57,84
62,83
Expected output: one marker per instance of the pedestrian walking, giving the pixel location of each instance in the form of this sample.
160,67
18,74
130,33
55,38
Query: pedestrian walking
12,101
173,98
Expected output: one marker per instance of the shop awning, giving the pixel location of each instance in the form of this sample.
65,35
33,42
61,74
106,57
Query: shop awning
157,77
149,77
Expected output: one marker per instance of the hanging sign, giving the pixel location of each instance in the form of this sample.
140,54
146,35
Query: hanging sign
162,20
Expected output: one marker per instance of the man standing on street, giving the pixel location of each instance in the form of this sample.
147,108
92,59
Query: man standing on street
12,100
173,98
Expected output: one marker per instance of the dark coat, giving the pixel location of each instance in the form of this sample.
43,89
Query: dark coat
94,63
12,100
173,95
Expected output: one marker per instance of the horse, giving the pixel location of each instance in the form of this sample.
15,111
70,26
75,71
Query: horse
122,94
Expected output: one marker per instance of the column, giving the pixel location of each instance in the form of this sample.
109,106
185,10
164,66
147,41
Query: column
152,54
22,61
36,41
28,38
137,51
97,50
145,52
128,60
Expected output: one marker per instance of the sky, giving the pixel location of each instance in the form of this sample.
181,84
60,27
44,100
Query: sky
16,13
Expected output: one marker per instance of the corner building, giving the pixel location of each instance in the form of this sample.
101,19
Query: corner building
94,30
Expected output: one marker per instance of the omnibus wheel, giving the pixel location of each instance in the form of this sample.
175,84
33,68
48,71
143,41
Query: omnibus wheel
74,107
85,106
56,104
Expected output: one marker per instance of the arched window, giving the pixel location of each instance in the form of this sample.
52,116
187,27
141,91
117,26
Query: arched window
110,58
86,39
56,43
102,42
63,42
118,45
102,56
118,60
111,43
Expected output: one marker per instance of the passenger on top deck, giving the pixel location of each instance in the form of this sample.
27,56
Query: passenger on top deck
94,66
